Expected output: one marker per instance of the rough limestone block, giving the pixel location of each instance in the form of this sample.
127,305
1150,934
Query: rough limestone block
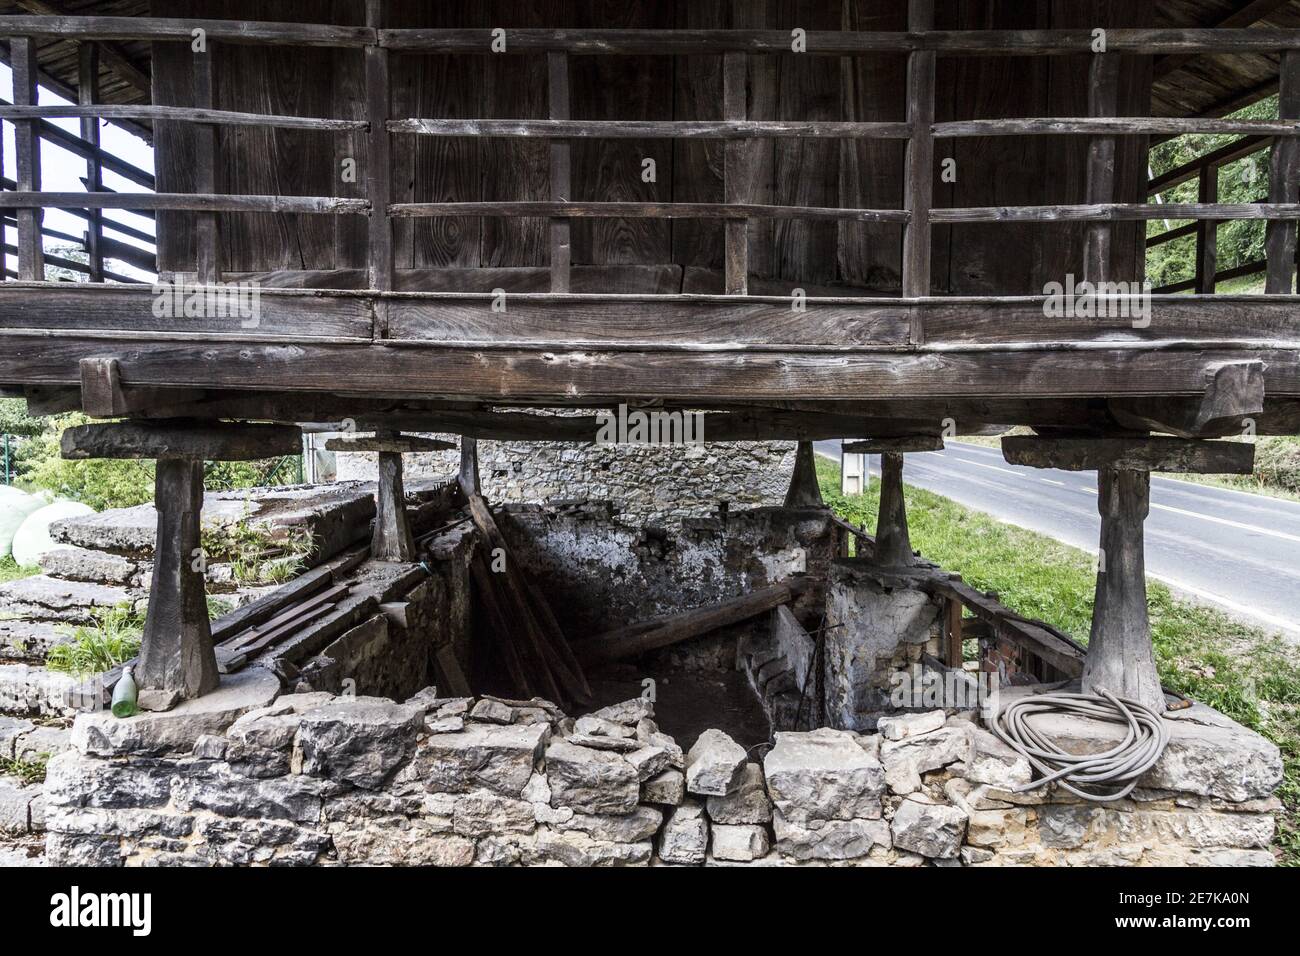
102,734
600,727
498,758
492,712
483,812
636,827
668,789
910,725
629,712
715,764
15,806
359,740
905,760
685,837
590,781
272,728
934,830
649,762
992,762
741,843
829,839
41,743
747,804
574,848
823,775
11,728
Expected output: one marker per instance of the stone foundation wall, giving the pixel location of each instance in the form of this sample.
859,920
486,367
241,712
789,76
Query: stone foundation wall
660,484
244,778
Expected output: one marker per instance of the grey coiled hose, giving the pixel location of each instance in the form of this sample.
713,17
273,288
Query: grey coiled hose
1116,771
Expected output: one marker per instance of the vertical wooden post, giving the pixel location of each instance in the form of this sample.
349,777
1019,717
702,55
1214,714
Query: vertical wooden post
1103,100
207,225
893,543
1284,182
952,631
918,172
804,492
88,95
1207,232
176,656
468,478
391,538
561,172
379,164
735,67
27,143
1121,657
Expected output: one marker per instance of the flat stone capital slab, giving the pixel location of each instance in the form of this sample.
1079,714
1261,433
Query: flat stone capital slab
906,444
1131,454
394,444
198,441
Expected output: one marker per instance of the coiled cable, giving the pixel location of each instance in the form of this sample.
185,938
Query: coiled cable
1114,772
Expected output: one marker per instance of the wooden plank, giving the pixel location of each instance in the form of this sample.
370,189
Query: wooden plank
561,169
1064,655
1118,212
27,145
953,653
1284,183
735,68
645,210
217,441
731,128
1103,101
101,388
379,160
645,636
1229,153
1207,234
88,95
115,56
177,114
207,225
181,29
26,199
699,165
1131,454
1113,125
918,174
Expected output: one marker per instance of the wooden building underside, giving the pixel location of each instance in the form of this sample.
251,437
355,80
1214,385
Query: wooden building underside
780,176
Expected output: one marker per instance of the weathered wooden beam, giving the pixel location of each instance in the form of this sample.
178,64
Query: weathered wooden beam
207,225
165,441
118,60
1233,400
918,172
206,116
1207,234
804,490
642,210
1131,454
468,476
656,633
29,198
1103,100
1115,126
27,145
182,29
1121,657
728,128
1118,212
101,388
903,444
735,255
391,538
177,661
88,95
893,542
558,101
391,444
379,162
1284,183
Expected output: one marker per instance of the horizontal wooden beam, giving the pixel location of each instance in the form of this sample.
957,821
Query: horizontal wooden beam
1118,212
216,441
1229,152
393,444
182,30
181,114
906,444
642,210
202,202
1131,454
649,129
1114,126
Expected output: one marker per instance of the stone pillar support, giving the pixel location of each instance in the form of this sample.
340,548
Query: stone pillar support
804,491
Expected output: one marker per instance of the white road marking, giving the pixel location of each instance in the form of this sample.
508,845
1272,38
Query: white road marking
1231,524
1250,613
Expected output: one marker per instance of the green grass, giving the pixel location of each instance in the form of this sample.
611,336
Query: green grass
27,771
113,639
11,570
1251,676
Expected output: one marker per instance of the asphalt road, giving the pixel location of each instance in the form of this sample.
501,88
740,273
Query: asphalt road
1236,550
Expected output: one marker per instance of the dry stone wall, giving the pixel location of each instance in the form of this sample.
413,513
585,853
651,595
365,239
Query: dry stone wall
247,777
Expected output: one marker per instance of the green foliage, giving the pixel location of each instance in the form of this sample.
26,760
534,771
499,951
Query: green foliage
27,771
11,570
1244,181
255,556
113,639
1251,676
14,419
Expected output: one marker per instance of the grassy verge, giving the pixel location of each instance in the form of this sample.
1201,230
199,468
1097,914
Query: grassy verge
11,570
1251,676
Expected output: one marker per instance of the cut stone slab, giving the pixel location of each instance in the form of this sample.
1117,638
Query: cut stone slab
684,839
42,742
905,760
11,728
599,727
35,690
359,740
823,775
590,781
623,745
910,725
829,839
492,712
994,763
747,804
629,712
667,789
83,564
43,598
714,764
741,843
103,735
500,758
649,762
15,806
933,830
30,641
636,827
